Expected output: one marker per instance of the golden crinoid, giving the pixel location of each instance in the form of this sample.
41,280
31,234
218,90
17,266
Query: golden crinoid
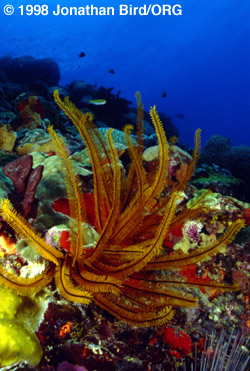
126,270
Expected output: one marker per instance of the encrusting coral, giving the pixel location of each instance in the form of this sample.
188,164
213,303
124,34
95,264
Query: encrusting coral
125,271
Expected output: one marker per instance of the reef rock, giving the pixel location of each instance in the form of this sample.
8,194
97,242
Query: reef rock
25,70
219,150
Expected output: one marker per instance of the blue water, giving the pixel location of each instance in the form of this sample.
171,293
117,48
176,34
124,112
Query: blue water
201,59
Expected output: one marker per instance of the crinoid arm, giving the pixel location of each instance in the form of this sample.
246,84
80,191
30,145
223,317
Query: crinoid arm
135,169
66,286
156,292
99,152
134,312
191,168
164,288
109,225
24,229
95,283
146,196
180,259
152,247
26,286
74,194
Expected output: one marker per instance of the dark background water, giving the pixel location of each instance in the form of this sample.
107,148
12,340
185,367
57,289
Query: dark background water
201,59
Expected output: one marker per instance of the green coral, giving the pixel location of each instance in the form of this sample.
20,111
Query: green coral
18,343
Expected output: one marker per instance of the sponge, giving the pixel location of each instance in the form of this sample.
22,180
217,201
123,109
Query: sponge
18,343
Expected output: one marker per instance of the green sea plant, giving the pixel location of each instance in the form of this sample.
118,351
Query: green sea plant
125,271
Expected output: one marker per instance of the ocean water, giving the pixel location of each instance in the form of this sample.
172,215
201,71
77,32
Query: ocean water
200,57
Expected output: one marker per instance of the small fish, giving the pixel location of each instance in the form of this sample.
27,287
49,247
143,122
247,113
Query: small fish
81,55
98,102
111,71
180,115
164,94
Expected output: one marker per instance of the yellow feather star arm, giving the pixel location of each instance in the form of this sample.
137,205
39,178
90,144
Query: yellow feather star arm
212,285
114,212
133,315
119,254
160,179
101,193
160,296
196,208
157,283
114,254
197,146
26,286
24,229
191,167
128,221
97,138
154,246
129,181
178,260
140,123
191,214
199,201
127,187
137,162
74,194
65,285
82,123
95,283
135,210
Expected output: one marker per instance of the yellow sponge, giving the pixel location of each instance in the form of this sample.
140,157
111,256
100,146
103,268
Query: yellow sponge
18,343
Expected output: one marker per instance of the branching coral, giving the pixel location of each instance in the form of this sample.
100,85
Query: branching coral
133,214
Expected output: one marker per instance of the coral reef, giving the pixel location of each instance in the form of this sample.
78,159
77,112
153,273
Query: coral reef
92,337
219,150
25,70
117,269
